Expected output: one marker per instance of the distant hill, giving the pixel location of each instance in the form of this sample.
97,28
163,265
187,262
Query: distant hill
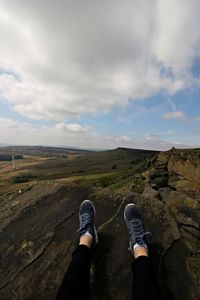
38,150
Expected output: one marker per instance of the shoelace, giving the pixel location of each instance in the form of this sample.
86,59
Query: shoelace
85,219
140,236
135,229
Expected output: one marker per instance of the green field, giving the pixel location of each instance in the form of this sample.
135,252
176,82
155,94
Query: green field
118,169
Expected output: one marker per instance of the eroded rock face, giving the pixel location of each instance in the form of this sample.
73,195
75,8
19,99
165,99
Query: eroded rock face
184,171
174,177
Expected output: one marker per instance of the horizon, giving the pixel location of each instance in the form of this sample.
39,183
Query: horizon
93,149
100,75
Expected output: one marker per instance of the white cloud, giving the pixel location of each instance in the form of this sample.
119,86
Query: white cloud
152,137
76,128
119,139
179,115
176,115
75,135
177,23
60,60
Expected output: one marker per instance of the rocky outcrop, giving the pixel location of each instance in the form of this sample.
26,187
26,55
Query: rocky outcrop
174,178
179,171
38,234
37,242
184,170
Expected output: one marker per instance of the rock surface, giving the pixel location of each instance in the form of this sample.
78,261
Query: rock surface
174,178
38,234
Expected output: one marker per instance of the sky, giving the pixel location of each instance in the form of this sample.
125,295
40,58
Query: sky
100,74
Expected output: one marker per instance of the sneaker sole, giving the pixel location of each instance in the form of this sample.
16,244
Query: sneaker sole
130,204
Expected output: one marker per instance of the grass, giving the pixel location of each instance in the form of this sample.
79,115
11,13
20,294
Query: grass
138,185
21,178
115,169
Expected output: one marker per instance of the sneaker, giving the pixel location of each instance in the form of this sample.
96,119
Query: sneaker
135,226
86,218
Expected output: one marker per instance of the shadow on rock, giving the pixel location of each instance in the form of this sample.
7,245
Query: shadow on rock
99,279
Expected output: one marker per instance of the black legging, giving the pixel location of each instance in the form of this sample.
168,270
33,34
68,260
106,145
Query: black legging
76,282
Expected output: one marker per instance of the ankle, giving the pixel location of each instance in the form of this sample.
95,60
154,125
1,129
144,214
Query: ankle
86,240
140,251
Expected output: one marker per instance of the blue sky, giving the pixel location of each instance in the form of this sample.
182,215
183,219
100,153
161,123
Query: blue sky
145,118
104,75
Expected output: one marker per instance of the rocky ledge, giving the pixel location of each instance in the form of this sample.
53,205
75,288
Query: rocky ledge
38,233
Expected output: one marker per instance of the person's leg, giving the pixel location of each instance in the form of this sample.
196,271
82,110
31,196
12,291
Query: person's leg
76,282
144,285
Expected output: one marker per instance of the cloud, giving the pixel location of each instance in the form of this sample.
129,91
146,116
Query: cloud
176,115
152,137
179,115
119,139
63,134
176,23
76,128
63,60
171,131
